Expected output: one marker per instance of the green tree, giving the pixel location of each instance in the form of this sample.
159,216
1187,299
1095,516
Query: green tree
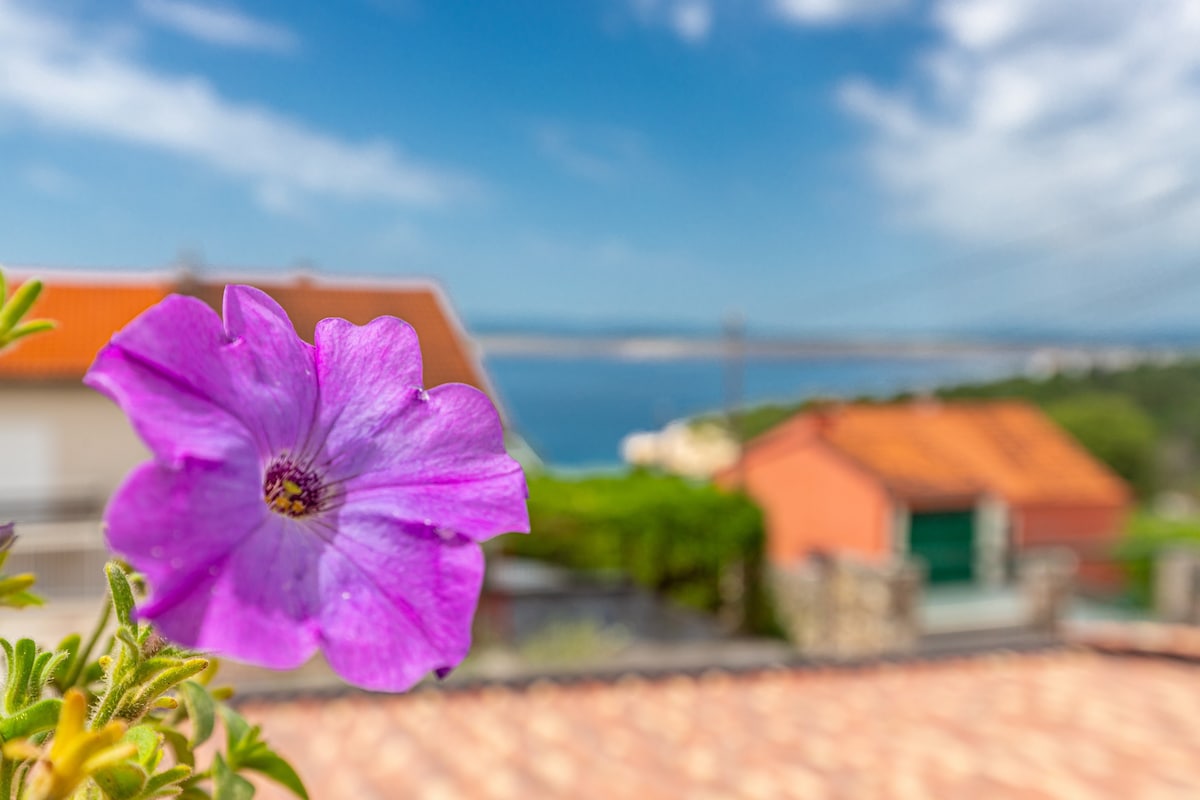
1116,430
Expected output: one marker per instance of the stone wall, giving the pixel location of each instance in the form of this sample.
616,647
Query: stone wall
838,607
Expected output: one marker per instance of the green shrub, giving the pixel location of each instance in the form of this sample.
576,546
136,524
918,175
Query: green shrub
668,534
1148,535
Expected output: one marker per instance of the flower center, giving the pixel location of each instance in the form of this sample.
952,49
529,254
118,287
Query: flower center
293,490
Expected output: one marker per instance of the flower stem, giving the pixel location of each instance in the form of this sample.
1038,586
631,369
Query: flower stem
109,702
86,652
6,776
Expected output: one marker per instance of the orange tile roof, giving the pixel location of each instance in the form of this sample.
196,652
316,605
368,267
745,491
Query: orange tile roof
88,313
90,309
929,450
1065,724
446,351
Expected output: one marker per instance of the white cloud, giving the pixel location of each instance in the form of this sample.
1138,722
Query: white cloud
831,12
1027,115
216,25
694,21
57,76
601,154
690,20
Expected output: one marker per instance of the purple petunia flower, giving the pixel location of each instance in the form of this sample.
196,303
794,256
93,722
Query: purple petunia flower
304,497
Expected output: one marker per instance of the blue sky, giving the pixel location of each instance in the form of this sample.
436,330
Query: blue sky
829,165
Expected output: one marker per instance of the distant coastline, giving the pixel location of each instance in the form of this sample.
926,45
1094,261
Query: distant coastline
668,348
574,399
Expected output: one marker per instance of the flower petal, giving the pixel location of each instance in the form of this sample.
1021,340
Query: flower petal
398,601
478,508
432,458
172,524
366,373
259,604
274,371
440,461
175,424
254,369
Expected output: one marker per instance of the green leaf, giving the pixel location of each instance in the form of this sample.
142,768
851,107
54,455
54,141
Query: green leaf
21,600
39,669
127,638
69,647
278,770
41,716
121,781
31,327
19,304
148,742
201,710
48,669
179,746
20,666
237,730
121,591
194,793
154,666
227,784
169,677
13,584
168,779
93,672
167,791
70,644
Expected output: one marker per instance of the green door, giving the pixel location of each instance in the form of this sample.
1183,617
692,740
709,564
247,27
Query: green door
945,541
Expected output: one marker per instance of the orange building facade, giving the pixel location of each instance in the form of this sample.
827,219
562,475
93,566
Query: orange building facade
965,487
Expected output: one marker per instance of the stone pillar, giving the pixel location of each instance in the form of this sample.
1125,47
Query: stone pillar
901,525
907,584
1047,577
732,590
797,595
1177,585
991,548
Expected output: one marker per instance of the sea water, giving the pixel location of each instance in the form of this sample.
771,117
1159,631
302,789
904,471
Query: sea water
574,411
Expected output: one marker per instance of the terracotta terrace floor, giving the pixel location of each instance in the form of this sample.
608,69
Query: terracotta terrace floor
1059,724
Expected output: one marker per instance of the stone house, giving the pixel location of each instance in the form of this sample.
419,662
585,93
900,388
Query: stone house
965,487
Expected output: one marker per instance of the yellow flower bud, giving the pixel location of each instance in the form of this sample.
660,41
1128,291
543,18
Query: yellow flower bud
75,753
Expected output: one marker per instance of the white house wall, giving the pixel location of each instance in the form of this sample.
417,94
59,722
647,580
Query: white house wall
64,449
992,542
